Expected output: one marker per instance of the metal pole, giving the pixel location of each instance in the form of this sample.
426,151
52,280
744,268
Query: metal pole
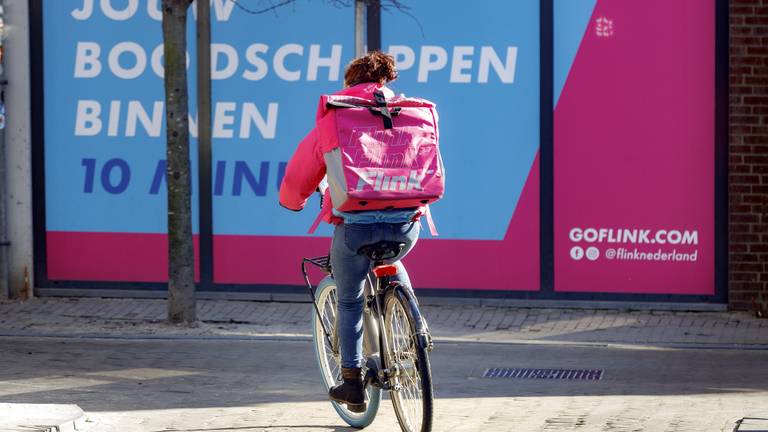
373,25
359,28
4,243
546,143
204,161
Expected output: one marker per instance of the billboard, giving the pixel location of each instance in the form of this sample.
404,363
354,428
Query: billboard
630,171
634,148
258,242
104,136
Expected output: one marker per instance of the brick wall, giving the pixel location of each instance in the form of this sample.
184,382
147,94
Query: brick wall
748,153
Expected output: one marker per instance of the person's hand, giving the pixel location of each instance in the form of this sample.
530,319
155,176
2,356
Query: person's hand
323,186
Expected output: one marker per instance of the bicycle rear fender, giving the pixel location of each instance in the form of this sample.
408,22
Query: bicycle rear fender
419,325
370,328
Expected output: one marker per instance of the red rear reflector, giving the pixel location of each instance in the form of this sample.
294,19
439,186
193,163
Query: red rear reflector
385,270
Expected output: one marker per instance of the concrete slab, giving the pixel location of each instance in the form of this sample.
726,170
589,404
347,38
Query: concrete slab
274,386
41,418
751,424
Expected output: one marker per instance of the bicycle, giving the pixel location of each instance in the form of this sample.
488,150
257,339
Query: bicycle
396,342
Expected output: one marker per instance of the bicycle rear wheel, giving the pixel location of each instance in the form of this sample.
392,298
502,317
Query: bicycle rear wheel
412,394
328,356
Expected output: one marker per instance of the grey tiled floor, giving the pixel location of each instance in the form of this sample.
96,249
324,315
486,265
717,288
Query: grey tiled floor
482,323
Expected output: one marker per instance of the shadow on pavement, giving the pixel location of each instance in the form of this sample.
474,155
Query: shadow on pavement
113,375
315,428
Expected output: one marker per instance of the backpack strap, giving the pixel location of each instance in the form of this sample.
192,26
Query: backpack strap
381,103
380,99
325,210
430,222
380,108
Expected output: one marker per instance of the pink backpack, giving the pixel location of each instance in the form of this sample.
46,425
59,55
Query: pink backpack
383,154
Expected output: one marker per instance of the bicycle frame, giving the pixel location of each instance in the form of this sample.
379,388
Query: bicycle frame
324,263
380,289
395,353
375,291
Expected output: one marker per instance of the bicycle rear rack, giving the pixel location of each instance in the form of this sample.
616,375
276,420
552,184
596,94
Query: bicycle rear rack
324,263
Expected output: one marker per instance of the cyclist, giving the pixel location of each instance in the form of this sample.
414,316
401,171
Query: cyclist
303,176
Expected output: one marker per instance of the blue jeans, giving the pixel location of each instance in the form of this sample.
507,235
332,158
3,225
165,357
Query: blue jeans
350,270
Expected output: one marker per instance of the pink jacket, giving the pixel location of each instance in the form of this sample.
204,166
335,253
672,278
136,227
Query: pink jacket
306,168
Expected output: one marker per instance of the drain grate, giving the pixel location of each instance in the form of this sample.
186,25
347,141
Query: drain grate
553,374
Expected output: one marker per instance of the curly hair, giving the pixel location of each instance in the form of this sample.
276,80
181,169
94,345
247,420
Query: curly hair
375,66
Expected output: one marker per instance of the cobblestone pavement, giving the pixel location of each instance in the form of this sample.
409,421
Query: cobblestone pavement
144,385
249,366
145,317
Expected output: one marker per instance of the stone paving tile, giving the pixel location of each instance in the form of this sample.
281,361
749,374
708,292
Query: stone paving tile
60,315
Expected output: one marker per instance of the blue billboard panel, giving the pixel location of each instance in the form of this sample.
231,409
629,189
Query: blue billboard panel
105,134
480,64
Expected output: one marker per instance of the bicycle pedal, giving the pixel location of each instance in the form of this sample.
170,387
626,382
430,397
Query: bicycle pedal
356,408
372,378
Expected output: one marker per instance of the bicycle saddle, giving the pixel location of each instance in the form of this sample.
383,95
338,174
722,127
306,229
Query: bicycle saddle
382,250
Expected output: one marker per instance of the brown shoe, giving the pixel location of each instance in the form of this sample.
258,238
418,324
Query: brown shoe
351,391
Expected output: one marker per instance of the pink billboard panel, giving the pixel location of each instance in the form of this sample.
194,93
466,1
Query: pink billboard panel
509,264
634,151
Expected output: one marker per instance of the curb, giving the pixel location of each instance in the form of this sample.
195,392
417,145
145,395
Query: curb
298,337
425,299
41,418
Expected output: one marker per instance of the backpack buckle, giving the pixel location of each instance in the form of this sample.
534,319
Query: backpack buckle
378,96
381,103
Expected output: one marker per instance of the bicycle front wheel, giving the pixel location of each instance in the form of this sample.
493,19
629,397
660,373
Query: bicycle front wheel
328,355
411,377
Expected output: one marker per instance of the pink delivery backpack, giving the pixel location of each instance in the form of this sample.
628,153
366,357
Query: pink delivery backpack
383,154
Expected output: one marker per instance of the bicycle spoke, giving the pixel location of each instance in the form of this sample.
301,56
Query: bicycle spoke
409,396
329,314
334,302
329,358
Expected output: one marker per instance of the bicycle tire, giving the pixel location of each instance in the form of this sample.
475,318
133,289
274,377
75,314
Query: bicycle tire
329,363
413,406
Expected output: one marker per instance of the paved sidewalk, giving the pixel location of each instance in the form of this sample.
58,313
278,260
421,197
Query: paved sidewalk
244,319
257,385
126,381
16,417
